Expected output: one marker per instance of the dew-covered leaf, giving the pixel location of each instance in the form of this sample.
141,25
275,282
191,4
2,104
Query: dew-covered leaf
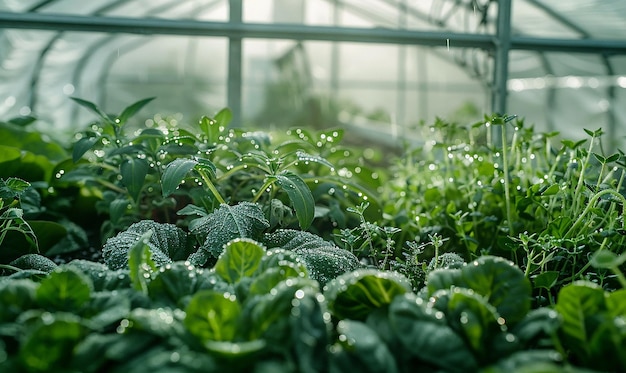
34,261
241,258
244,220
174,174
300,196
167,243
355,294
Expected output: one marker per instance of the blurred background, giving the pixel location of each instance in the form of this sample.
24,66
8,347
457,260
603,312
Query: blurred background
378,68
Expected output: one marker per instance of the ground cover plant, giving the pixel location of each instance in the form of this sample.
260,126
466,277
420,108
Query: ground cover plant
213,249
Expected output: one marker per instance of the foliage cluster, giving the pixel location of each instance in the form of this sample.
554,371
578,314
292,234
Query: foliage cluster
248,251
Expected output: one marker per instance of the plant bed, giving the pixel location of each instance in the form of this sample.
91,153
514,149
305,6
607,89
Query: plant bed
222,249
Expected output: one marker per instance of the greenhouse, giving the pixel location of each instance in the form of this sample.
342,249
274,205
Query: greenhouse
312,186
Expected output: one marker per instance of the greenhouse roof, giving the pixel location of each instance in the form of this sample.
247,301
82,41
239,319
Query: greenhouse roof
561,64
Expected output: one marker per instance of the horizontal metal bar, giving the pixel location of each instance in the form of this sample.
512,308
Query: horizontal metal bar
150,26
156,26
600,46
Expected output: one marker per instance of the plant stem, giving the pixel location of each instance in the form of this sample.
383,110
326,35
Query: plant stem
211,186
590,205
507,186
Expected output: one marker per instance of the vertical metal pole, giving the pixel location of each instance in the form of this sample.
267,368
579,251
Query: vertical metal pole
334,58
503,45
400,117
235,57
501,69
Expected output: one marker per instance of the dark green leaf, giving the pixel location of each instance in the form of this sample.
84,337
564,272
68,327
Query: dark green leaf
174,174
47,347
355,294
546,279
117,209
360,349
300,196
425,335
134,173
132,110
502,283
65,289
82,146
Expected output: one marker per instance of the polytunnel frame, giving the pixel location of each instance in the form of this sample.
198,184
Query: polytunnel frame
500,44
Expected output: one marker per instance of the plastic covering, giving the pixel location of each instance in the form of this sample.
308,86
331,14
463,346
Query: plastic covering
378,88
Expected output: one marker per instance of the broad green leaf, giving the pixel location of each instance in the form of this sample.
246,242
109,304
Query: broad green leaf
174,174
425,334
442,278
140,262
82,146
244,220
476,320
213,316
132,110
579,303
355,294
268,279
310,329
267,316
502,283
360,349
300,196
93,108
65,289
241,258
50,342
134,173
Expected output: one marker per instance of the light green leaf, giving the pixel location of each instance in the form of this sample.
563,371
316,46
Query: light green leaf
579,303
300,196
241,258
140,262
213,316
132,110
223,117
174,174
93,108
